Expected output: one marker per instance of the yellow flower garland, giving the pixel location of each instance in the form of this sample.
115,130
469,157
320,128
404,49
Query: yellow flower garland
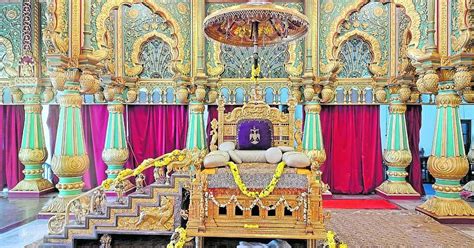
176,155
181,240
266,191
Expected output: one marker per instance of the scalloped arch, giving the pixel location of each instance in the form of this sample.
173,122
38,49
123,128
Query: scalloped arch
356,6
176,36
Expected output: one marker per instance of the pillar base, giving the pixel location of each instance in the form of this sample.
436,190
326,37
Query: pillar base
31,188
398,196
397,188
57,205
448,210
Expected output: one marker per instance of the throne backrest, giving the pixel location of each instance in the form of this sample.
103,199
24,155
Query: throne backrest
284,126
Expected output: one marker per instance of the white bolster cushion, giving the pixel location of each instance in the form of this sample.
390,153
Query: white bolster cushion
286,148
251,156
273,155
296,159
216,159
227,146
234,157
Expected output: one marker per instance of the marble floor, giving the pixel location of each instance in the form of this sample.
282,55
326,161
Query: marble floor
15,211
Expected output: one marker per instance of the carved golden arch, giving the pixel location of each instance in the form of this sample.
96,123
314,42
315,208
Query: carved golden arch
375,67
175,33
10,56
356,6
290,66
137,68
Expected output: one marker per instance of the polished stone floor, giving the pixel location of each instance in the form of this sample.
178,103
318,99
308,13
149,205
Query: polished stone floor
20,226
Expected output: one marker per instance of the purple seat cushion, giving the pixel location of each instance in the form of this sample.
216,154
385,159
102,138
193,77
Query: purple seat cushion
254,134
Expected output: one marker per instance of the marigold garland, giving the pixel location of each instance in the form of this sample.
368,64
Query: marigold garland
181,239
266,191
176,155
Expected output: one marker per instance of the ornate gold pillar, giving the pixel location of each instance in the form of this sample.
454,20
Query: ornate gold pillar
70,159
448,162
397,155
33,151
115,153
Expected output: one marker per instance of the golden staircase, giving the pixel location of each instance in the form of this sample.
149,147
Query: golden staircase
156,211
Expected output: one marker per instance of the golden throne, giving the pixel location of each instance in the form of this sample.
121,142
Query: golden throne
289,212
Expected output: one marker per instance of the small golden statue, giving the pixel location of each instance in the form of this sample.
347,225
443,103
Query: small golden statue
120,190
140,183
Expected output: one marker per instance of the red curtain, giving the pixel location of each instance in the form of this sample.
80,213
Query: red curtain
353,146
94,121
11,126
413,119
154,131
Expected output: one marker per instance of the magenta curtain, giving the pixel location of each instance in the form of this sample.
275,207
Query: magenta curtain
353,146
11,126
154,131
94,120
413,119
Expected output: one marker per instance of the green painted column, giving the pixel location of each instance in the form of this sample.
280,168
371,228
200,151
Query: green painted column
70,159
448,162
313,144
33,151
196,137
115,153
397,155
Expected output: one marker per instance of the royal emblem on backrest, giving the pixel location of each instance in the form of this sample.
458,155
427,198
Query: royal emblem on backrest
254,135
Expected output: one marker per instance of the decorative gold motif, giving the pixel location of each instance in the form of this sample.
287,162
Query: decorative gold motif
36,185
308,93
468,95
430,81
131,96
462,78
453,168
200,93
317,157
182,94
33,156
327,94
115,156
381,95
115,108
404,93
389,188
397,108
290,66
448,100
213,133
69,166
447,207
151,218
70,100
397,158
312,108
196,108
299,135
